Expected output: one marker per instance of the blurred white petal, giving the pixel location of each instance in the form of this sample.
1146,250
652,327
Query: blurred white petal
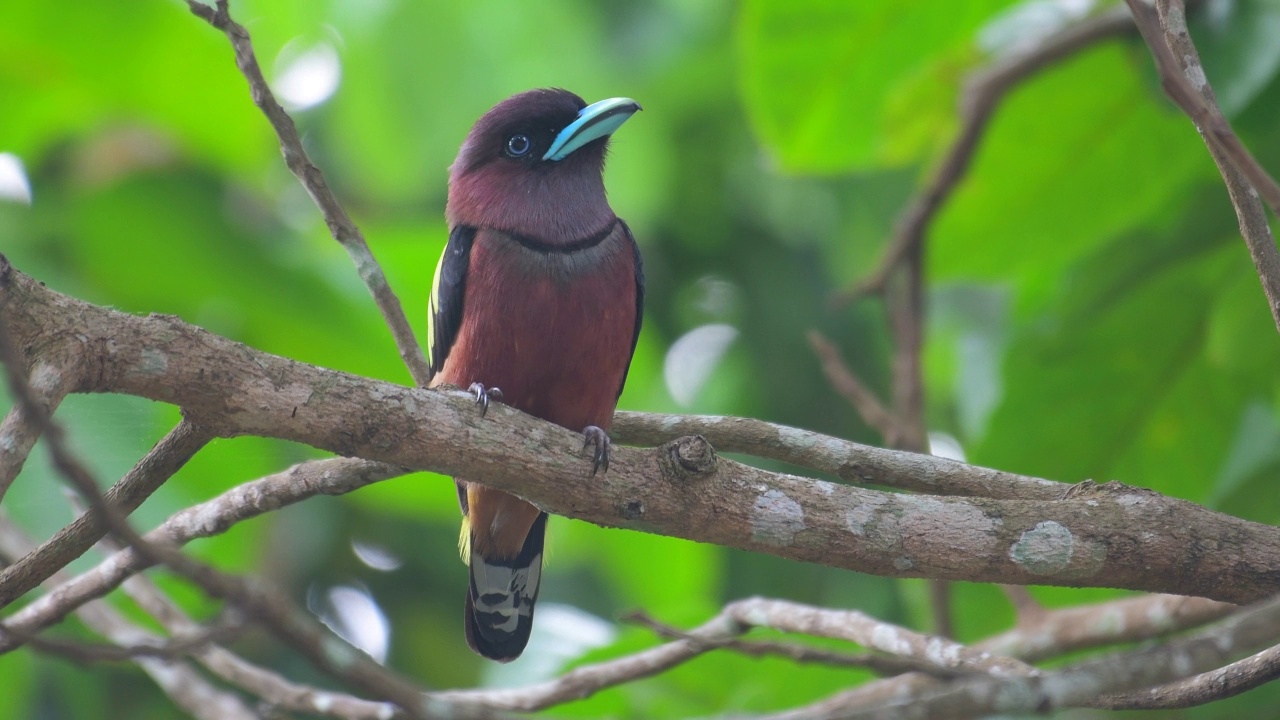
691,359
375,556
306,77
354,616
13,179
945,445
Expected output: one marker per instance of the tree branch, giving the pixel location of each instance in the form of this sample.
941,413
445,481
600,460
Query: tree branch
850,461
187,688
1165,30
1076,685
340,224
870,409
18,433
1212,686
69,543
1095,536
261,601
333,477
983,92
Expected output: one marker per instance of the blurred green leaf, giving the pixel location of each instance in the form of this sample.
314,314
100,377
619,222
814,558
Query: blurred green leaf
828,85
1236,41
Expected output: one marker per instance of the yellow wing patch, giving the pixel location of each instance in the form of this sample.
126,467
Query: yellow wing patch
433,307
464,540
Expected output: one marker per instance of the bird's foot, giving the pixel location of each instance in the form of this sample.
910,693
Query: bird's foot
593,435
484,395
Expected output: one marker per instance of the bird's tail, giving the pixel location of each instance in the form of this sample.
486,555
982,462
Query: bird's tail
499,612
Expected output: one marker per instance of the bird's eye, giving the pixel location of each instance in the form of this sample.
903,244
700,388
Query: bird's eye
518,145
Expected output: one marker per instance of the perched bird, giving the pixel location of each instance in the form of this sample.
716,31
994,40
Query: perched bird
537,301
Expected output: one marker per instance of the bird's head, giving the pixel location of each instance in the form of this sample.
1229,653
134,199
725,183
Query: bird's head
534,165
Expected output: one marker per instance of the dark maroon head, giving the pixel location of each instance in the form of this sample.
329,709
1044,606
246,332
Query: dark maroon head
534,165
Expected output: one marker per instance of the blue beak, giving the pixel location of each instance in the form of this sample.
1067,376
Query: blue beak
594,122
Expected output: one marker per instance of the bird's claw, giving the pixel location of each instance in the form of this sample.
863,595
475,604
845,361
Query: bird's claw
483,395
593,435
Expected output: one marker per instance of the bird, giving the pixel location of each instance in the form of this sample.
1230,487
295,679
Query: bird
536,302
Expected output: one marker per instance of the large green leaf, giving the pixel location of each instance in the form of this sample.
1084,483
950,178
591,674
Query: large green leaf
833,86
1079,154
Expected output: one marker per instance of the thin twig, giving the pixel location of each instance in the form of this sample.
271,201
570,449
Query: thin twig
1051,632
983,92
861,397
182,683
86,652
1165,30
268,686
1227,681
214,516
335,217
1028,609
1057,632
1076,685
158,465
882,664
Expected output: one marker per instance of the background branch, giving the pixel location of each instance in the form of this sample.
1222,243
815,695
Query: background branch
982,93
1164,27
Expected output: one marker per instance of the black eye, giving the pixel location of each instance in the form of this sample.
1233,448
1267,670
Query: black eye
518,145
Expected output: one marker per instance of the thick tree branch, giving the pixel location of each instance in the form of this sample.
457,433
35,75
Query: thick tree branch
1110,535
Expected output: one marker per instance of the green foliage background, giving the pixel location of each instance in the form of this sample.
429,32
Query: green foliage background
1093,312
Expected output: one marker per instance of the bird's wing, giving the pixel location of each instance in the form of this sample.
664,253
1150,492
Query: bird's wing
635,336
447,291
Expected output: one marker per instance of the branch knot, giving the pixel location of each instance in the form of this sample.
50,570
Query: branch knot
687,458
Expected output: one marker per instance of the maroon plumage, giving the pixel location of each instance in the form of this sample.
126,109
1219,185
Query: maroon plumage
539,293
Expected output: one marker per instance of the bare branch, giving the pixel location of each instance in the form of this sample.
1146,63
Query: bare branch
85,652
295,156
157,466
212,517
983,92
181,682
1225,682
1165,30
861,397
1028,609
264,603
850,461
1116,535
1056,633
1049,633
1075,685
271,687
858,627
18,434
799,652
